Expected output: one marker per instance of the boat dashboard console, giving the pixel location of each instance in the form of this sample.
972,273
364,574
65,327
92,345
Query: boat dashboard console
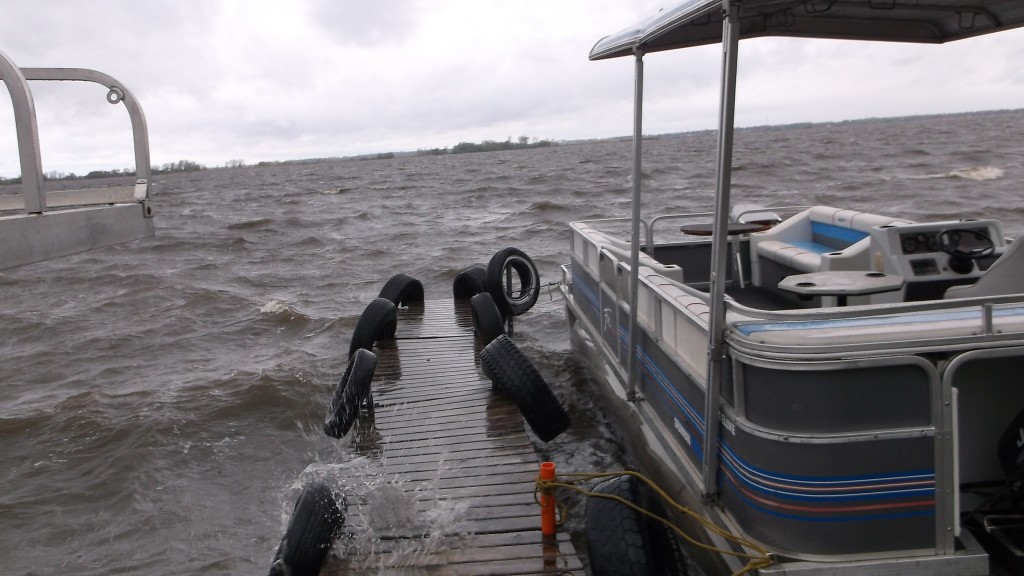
935,255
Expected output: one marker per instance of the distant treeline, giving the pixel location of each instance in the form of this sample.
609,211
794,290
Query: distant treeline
494,146
169,168
190,166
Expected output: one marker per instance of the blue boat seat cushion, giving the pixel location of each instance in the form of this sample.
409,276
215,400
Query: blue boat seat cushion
819,238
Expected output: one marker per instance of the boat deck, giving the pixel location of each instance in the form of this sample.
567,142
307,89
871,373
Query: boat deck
451,443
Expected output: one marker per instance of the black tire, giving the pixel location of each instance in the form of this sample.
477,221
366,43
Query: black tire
469,282
353,388
487,320
378,322
315,522
624,542
514,376
402,290
513,300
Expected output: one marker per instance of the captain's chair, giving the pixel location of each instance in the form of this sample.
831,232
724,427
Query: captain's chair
1005,276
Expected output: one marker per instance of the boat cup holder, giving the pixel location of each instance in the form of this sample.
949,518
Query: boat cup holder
806,284
875,274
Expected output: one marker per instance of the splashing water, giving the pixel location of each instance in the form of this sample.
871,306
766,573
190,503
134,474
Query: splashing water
391,522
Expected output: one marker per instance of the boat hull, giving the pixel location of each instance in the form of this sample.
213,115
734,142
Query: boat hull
642,434
881,522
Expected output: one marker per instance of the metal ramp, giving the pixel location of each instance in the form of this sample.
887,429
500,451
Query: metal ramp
36,225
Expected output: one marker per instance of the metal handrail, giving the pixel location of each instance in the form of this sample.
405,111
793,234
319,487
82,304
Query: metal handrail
659,218
35,225
16,79
623,220
708,214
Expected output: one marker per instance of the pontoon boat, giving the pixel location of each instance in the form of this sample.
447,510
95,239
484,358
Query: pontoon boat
838,387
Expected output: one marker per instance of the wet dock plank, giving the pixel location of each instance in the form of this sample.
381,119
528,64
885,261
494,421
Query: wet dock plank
441,438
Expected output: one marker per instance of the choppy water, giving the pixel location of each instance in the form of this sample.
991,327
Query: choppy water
161,400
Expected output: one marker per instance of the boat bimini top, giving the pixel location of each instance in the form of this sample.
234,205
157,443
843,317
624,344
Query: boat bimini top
698,22
702,22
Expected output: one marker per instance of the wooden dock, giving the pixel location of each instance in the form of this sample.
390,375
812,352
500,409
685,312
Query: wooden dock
441,438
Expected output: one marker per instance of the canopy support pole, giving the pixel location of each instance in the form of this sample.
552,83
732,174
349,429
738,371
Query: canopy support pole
719,249
634,267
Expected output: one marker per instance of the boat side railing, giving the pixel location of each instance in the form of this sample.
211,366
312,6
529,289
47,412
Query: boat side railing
597,222
650,225
983,303
661,218
676,317
674,313
101,216
671,313
780,212
668,310
940,326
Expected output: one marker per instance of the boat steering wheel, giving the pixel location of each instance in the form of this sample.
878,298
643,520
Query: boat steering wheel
949,242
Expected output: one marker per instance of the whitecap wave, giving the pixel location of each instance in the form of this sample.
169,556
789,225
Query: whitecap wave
979,173
276,307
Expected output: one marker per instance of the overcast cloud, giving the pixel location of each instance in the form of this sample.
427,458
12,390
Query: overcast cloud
258,80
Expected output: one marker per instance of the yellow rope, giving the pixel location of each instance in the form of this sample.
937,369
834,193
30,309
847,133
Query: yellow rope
762,559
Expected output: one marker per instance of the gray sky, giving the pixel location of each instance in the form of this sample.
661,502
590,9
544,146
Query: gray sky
256,80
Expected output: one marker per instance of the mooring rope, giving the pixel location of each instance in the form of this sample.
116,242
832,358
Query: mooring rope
761,559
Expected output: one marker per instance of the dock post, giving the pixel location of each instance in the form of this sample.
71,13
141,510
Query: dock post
548,522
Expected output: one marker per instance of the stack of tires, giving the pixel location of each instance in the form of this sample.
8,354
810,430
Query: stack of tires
318,515
379,321
509,286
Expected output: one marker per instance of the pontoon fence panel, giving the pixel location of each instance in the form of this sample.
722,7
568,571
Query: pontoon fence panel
645,308
679,322
667,323
833,476
857,399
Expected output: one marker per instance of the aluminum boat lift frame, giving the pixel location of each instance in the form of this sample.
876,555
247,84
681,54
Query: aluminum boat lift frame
36,225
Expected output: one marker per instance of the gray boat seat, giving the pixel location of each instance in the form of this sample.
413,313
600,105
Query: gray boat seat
1005,276
817,239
